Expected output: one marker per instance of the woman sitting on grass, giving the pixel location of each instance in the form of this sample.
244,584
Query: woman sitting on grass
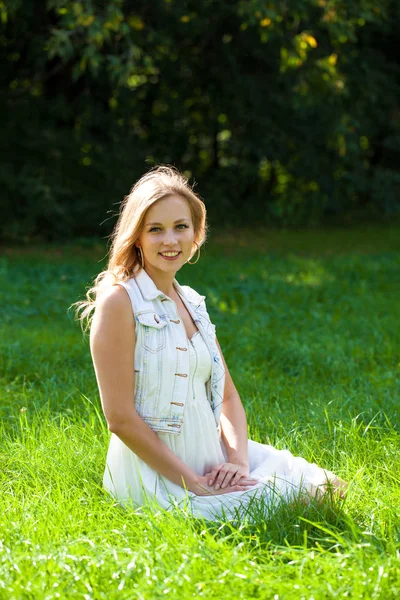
179,430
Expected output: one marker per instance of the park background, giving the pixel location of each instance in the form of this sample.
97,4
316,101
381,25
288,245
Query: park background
286,116
285,113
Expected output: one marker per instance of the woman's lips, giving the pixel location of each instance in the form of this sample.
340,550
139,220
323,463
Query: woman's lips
170,257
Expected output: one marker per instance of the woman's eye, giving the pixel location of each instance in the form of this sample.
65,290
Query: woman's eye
157,228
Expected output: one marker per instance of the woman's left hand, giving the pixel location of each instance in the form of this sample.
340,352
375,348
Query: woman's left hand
226,474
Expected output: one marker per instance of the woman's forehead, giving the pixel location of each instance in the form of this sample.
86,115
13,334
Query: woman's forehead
170,208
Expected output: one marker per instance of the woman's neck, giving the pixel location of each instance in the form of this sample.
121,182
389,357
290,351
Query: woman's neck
163,281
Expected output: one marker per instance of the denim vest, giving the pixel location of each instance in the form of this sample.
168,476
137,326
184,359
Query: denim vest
162,356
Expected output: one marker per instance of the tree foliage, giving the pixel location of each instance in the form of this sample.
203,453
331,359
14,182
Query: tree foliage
282,110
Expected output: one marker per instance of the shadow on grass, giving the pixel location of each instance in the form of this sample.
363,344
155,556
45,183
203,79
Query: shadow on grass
267,527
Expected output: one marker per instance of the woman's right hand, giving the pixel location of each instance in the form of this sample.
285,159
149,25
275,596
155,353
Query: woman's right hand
201,487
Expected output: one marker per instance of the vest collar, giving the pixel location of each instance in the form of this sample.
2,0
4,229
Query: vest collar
150,291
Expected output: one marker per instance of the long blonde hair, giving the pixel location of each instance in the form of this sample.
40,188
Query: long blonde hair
123,261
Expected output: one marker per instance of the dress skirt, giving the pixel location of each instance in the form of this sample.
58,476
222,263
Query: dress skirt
280,475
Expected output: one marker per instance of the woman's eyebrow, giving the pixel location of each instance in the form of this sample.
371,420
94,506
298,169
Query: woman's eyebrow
177,221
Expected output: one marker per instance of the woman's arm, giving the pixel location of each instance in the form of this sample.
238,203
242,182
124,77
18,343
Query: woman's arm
233,422
112,345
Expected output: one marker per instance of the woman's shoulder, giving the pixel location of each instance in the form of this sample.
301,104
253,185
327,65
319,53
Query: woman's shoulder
113,315
113,300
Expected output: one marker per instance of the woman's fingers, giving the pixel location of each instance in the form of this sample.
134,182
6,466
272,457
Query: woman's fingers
224,476
239,487
223,479
213,478
242,488
243,480
213,474
247,481
212,481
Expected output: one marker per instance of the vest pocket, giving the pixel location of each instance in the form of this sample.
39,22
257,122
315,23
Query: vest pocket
152,334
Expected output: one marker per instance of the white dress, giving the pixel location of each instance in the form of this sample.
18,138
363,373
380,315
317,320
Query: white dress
280,474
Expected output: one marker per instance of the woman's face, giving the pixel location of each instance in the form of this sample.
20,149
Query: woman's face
167,228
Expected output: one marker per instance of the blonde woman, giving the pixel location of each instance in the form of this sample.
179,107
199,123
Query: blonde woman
178,427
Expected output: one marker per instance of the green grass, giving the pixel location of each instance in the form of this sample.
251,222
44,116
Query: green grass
309,325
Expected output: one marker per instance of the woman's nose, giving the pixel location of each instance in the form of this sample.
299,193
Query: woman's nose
170,237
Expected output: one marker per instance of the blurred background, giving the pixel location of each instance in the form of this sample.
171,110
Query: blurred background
286,113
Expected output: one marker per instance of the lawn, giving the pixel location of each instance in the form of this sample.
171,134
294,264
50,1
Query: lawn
309,323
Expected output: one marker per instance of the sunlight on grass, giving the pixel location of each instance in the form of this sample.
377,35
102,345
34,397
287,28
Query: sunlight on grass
310,332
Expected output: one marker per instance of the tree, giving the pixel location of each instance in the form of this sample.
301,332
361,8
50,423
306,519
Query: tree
283,111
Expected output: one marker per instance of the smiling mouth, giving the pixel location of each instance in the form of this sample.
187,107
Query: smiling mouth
169,254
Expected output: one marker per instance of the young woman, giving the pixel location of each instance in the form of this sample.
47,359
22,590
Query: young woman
178,427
